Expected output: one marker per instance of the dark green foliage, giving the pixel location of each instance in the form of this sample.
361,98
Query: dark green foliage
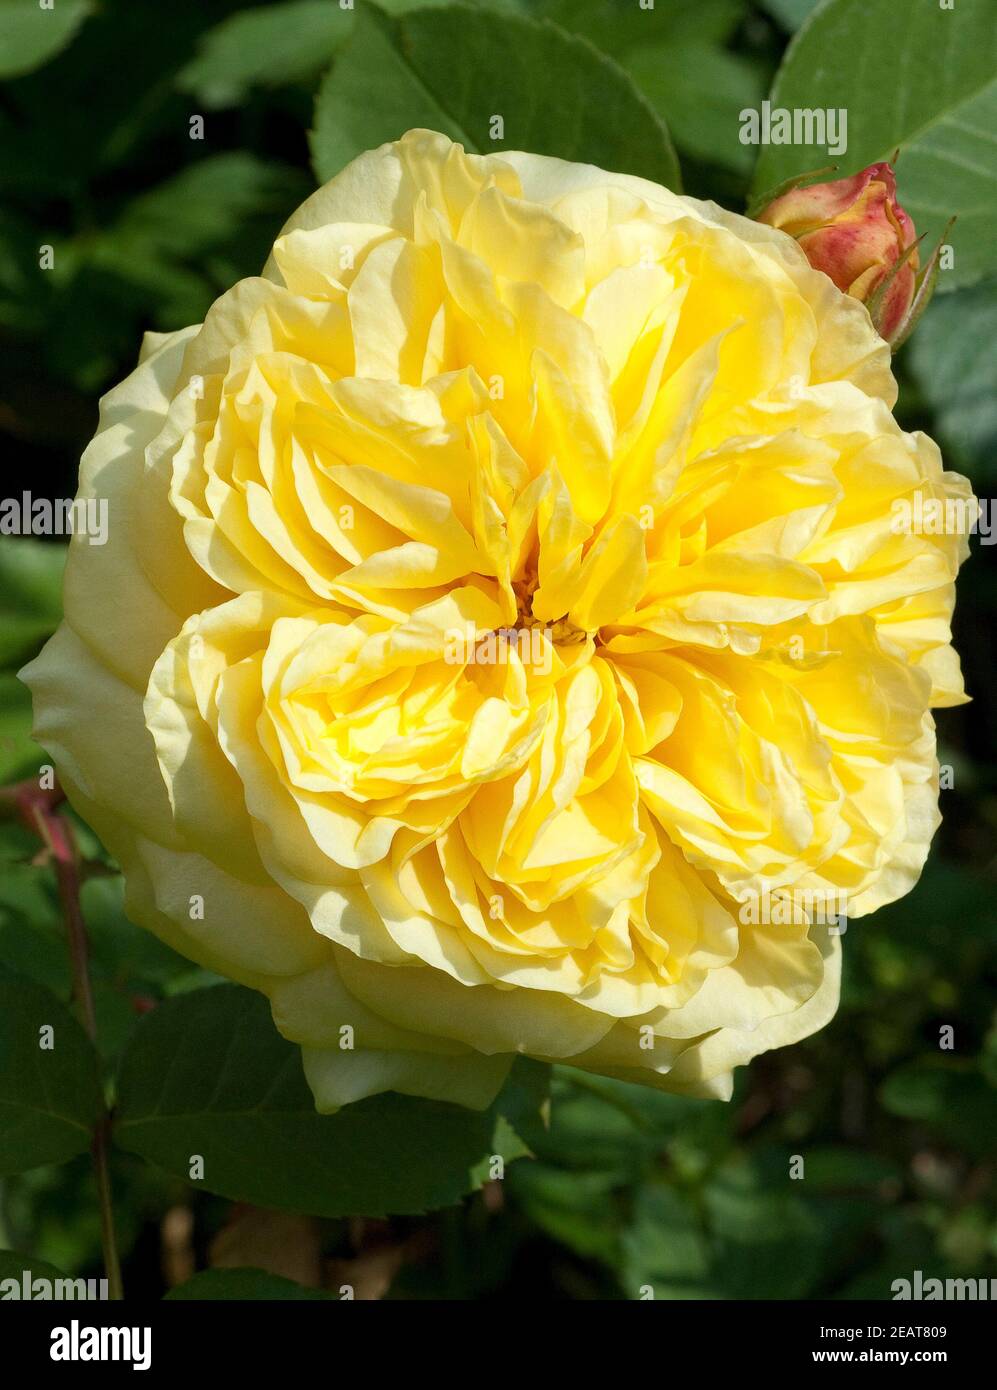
892,1131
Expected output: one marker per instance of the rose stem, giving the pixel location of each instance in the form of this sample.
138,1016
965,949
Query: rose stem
38,810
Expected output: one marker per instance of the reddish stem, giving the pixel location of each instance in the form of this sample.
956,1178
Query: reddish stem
38,809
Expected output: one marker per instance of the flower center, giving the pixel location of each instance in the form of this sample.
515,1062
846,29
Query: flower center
561,631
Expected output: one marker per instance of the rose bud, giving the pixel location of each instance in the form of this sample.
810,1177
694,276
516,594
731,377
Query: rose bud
856,232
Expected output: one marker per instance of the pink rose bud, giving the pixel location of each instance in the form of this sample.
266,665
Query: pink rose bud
856,232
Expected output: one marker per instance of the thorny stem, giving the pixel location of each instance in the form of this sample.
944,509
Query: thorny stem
38,809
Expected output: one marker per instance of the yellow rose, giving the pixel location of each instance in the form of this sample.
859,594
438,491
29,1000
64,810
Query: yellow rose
504,606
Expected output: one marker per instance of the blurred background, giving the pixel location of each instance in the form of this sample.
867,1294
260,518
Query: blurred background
628,1187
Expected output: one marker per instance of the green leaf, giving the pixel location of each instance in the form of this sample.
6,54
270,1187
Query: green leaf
914,76
30,36
120,951
14,1266
105,99
605,1137
597,1123
439,68
207,1073
241,1284
768,1241
275,46
577,1209
988,1057
49,1098
790,13
204,205
594,1128
622,27
39,956
836,1169
700,91
20,756
957,380
665,1246
32,937
28,890
947,1094
30,595
676,56
129,968
161,264
265,47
